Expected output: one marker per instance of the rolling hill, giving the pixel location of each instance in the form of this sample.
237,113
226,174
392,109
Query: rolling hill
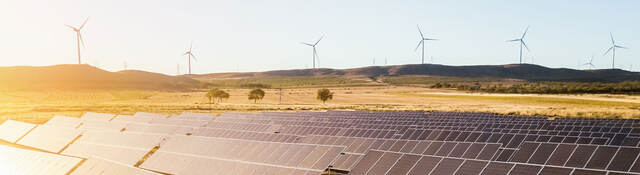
527,72
80,77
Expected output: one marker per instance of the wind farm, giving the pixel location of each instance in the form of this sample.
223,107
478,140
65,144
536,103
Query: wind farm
247,100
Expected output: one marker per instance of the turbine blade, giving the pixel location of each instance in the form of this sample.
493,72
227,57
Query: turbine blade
190,46
71,27
307,44
605,53
525,32
525,45
193,56
612,41
430,39
319,40
83,23
81,39
421,41
622,47
420,31
513,40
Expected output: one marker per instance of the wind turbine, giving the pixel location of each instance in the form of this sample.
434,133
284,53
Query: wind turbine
78,36
190,56
422,42
521,41
590,63
315,53
613,55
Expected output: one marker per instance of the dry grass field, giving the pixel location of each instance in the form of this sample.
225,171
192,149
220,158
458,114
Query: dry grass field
37,107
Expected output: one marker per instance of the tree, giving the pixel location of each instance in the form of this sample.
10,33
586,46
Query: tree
222,95
324,95
211,94
256,94
216,94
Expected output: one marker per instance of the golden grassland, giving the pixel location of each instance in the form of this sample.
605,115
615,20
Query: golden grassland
37,107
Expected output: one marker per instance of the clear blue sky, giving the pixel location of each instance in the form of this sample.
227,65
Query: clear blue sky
266,35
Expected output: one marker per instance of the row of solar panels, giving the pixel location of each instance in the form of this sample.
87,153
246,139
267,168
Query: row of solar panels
432,115
28,162
377,162
85,139
547,125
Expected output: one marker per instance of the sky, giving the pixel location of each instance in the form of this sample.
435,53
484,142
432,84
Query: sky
259,35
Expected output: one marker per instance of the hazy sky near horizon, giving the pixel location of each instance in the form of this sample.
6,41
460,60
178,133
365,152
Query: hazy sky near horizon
254,35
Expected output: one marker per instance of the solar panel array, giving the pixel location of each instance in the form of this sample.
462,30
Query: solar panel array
346,142
27,162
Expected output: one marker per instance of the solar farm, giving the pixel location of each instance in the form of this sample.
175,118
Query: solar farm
321,142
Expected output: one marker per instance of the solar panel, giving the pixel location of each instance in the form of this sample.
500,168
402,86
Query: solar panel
433,148
27,162
504,155
11,130
542,153
447,166
102,125
62,121
624,159
601,157
522,169
159,129
92,116
97,165
425,165
404,164
525,152
561,155
445,149
50,138
368,161
555,171
194,116
497,168
126,148
459,149
385,163
580,156
488,152
471,167
473,151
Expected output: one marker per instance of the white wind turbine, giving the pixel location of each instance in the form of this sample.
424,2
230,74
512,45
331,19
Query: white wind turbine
315,53
590,63
190,56
522,43
78,36
422,42
613,48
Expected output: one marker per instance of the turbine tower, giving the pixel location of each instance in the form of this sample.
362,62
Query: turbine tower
315,53
613,55
422,42
190,56
78,36
522,43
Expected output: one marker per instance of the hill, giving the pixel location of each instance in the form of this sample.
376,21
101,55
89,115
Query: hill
527,72
81,77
